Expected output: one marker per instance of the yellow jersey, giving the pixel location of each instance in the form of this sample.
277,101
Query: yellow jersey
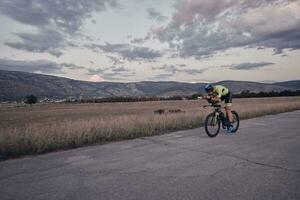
220,90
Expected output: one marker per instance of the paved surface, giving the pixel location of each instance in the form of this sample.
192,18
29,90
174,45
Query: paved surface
261,161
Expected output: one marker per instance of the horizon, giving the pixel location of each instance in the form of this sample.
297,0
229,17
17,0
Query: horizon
154,81
187,41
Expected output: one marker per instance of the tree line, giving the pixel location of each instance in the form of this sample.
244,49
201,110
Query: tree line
31,99
284,93
243,94
122,99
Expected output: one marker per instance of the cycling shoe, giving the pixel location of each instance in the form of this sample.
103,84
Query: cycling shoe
230,129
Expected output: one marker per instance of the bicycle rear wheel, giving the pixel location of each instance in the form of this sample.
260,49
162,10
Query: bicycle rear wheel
212,125
236,121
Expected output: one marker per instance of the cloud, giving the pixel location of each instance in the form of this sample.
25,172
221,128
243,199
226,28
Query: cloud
249,66
201,28
127,51
55,21
115,60
71,66
141,40
190,10
194,71
173,69
162,77
97,71
64,15
120,69
156,15
44,41
199,10
41,66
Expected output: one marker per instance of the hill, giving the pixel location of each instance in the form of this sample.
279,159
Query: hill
16,85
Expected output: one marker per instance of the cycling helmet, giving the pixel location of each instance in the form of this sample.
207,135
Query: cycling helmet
208,88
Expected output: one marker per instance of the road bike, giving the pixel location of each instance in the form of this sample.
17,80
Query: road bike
217,118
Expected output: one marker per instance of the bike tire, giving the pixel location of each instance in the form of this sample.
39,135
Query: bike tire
207,122
237,121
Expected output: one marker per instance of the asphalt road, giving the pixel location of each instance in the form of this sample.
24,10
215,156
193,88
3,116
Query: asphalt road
261,161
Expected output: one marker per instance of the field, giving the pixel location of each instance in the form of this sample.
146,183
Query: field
49,127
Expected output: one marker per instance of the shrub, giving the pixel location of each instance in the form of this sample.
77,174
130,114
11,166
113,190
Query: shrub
175,111
31,99
159,111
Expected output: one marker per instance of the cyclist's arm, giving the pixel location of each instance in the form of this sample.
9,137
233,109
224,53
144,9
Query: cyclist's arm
215,99
211,98
207,97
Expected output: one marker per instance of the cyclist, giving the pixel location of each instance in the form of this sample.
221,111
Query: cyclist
217,93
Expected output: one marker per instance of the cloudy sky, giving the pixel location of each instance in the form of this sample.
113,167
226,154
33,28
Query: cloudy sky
152,40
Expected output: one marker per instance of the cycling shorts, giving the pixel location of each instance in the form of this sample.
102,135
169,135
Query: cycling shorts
228,99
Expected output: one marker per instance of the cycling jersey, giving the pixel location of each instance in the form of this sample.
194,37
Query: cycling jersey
220,90
224,94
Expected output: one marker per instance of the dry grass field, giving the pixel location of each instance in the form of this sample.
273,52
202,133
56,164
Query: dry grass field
50,127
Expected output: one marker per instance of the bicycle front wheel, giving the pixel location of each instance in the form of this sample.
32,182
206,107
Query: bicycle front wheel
212,125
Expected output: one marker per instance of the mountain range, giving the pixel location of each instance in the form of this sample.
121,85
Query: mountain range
15,85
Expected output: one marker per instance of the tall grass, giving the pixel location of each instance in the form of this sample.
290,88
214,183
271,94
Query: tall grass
41,137
50,131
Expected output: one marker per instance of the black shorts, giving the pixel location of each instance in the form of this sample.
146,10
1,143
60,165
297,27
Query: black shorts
227,98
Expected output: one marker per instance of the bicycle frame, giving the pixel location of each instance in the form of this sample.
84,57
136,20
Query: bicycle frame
217,118
217,113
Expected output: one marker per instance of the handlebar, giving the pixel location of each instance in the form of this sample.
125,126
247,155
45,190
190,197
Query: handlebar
215,105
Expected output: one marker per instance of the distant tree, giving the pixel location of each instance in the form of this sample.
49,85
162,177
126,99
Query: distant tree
31,99
194,96
245,92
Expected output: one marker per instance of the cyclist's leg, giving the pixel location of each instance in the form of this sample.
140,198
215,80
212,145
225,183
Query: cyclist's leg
228,104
